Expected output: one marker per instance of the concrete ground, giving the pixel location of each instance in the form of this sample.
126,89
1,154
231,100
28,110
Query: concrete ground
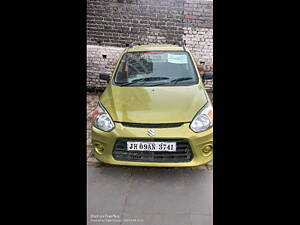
149,196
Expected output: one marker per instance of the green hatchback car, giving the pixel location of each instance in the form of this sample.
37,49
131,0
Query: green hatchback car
155,111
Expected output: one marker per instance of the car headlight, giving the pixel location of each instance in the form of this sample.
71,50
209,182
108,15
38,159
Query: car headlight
101,119
203,120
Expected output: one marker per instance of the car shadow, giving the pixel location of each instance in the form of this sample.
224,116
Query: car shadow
151,170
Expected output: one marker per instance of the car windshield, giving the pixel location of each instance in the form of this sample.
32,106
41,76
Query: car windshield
170,68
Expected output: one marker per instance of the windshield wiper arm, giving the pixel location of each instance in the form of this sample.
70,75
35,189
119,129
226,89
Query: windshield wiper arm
143,79
180,79
175,81
129,83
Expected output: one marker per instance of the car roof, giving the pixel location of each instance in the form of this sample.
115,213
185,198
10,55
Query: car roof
162,47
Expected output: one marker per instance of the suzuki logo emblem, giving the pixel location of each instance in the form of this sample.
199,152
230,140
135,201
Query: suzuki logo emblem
151,132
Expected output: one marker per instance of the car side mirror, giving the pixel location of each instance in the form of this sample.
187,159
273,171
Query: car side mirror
104,76
207,75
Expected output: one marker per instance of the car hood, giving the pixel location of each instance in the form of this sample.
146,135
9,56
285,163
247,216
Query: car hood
153,104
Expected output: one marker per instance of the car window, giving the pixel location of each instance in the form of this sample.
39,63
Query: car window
155,68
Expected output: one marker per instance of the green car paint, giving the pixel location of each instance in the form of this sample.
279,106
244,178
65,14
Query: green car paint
154,105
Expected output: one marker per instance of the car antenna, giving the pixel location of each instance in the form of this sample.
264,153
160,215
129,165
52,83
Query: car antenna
179,43
184,44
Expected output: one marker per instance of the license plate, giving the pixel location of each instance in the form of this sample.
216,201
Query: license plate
151,146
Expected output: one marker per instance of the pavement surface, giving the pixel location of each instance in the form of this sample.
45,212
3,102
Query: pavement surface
149,196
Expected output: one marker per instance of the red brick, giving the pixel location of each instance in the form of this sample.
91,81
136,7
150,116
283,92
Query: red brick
190,17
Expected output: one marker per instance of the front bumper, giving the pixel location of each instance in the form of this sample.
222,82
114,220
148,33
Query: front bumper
107,141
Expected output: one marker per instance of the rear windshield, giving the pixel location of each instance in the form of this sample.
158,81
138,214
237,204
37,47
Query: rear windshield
170,68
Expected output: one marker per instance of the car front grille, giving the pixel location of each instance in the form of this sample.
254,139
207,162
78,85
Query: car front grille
152,125
183,152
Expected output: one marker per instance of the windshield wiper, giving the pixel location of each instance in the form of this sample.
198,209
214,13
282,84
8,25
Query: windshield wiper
180,79
175,81
143,79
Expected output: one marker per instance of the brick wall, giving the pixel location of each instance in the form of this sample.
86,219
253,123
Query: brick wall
200,42
100,59
111,24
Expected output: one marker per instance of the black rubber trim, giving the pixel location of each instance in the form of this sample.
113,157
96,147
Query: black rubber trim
152,125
